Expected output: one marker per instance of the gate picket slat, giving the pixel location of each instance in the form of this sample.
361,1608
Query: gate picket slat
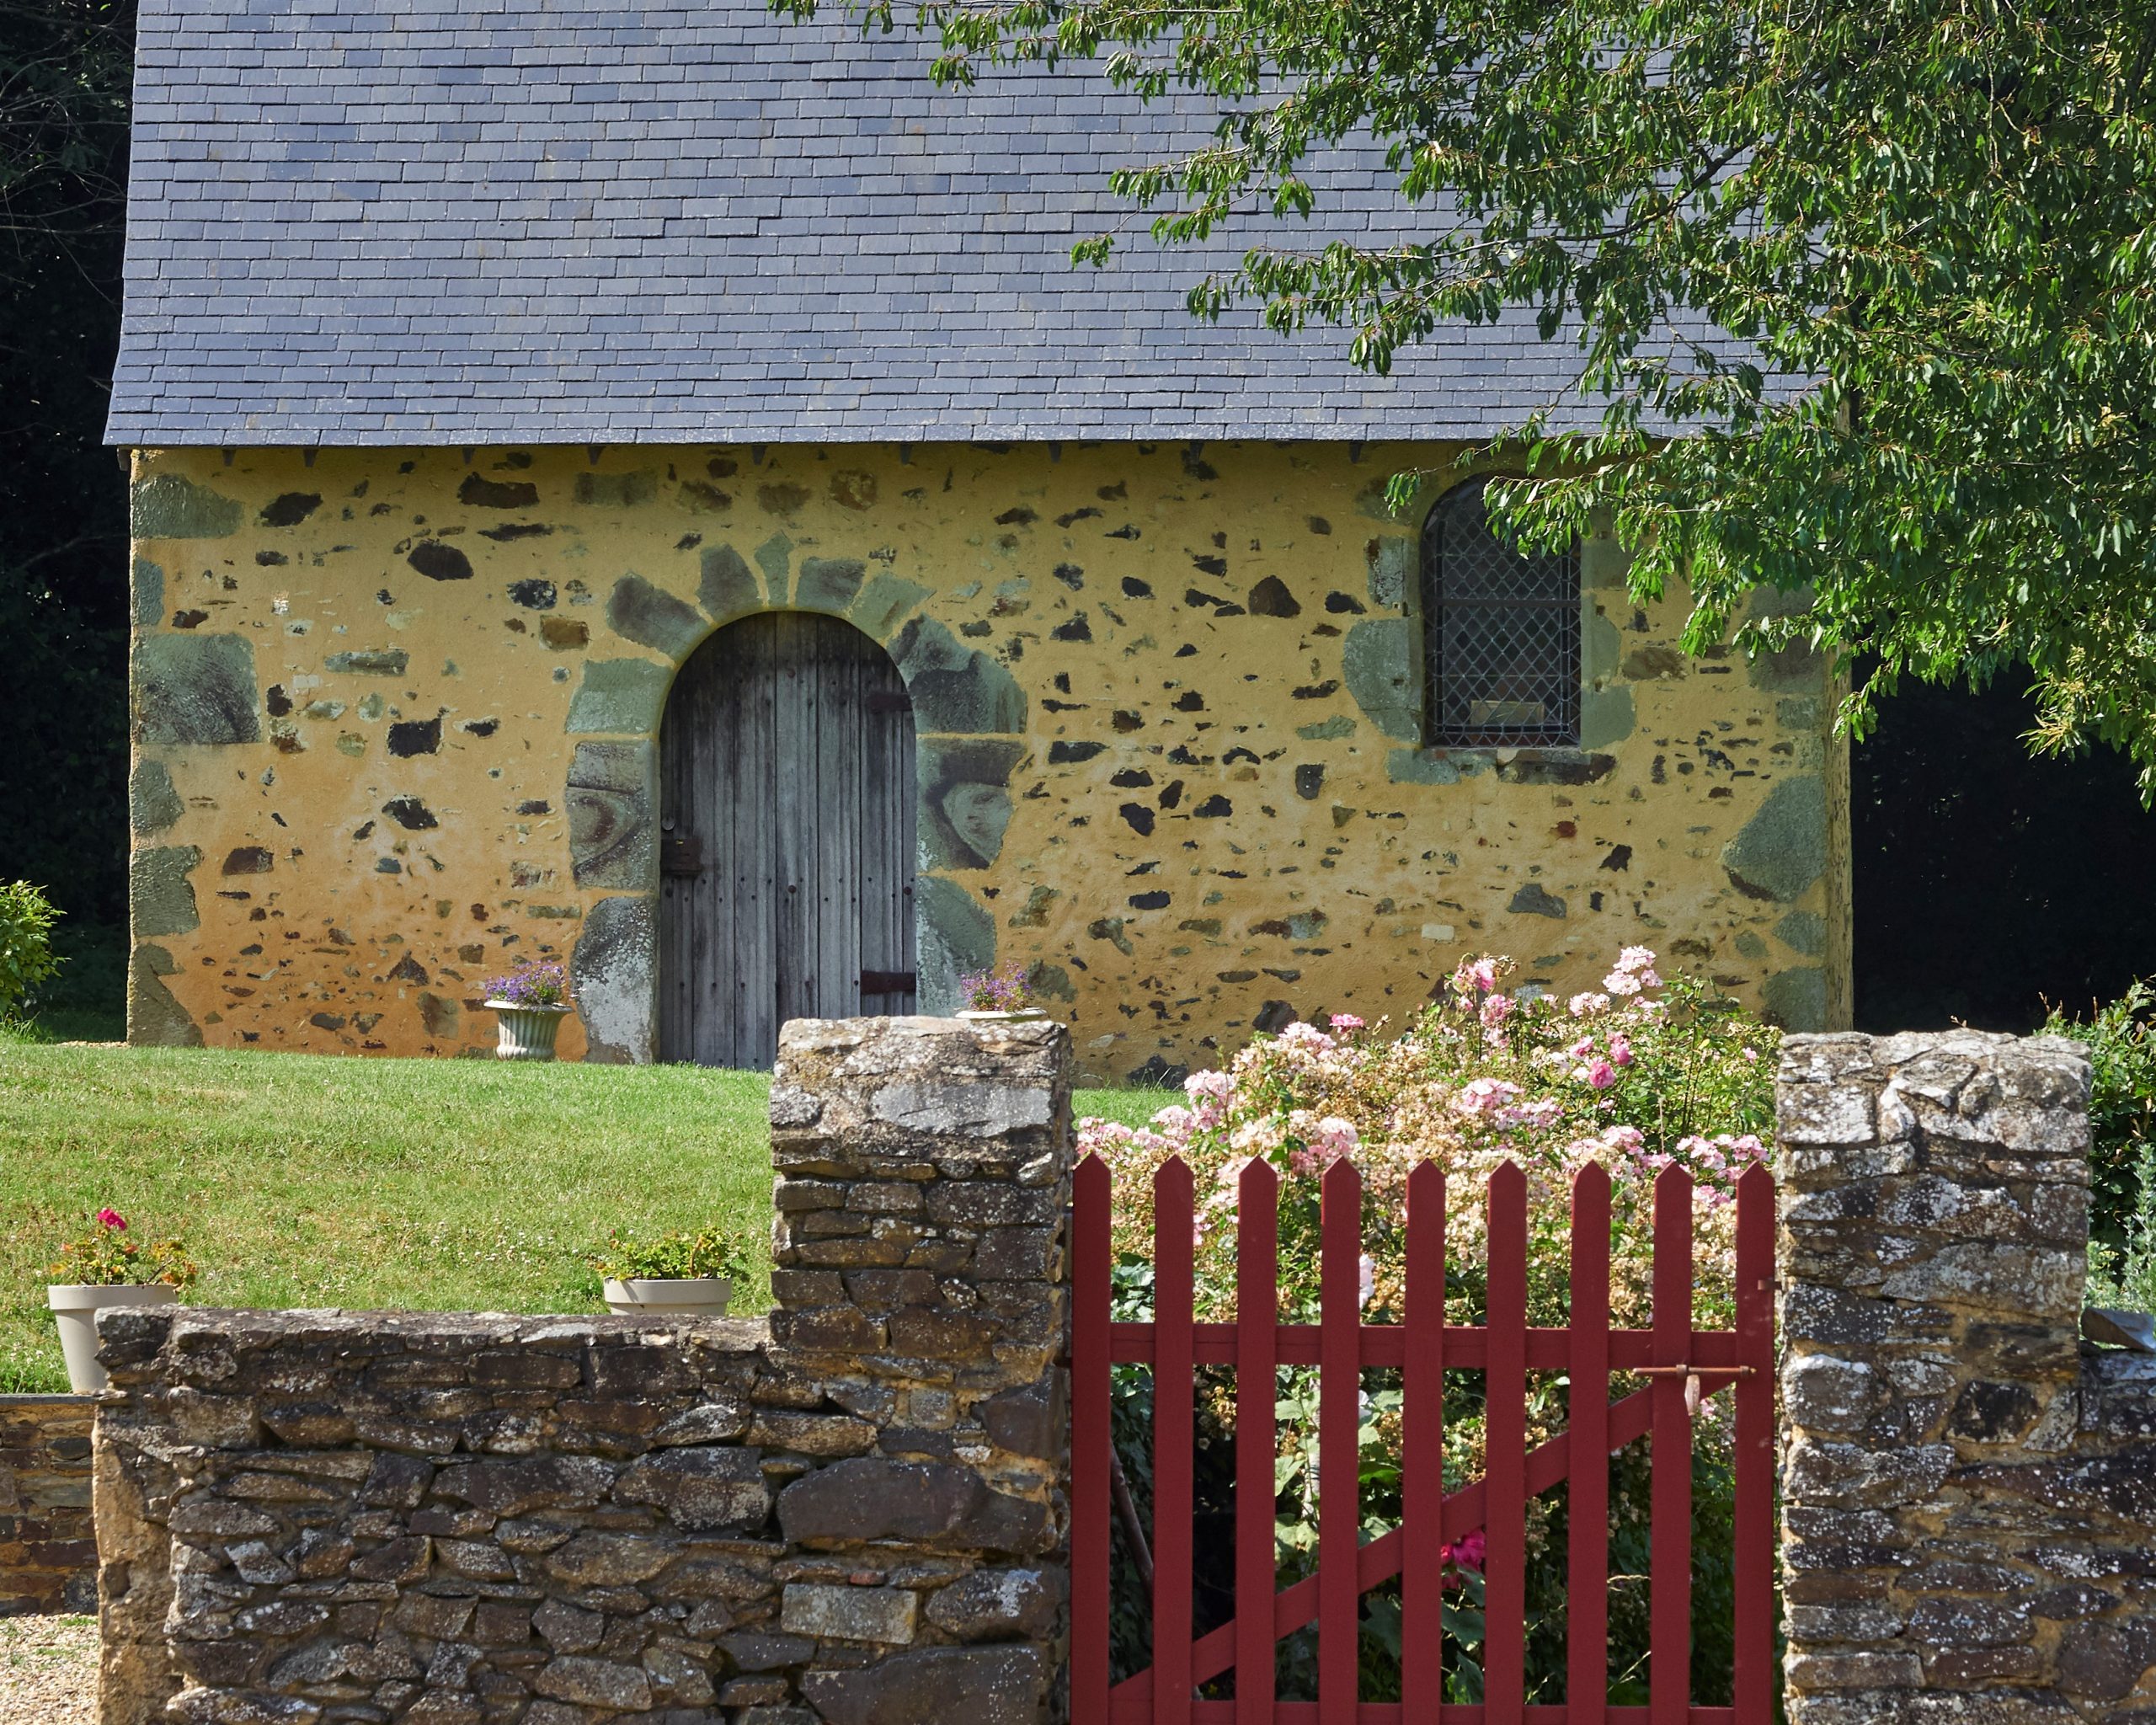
1257,1321
1504,1647
1752,1686
1422,1453
1339,1451
1669,1566
1174,1400
1091,1437
1587,1504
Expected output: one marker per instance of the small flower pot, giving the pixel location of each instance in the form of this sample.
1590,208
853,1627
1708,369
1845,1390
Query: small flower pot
525,1033
75,1308
1023,1015
700,1296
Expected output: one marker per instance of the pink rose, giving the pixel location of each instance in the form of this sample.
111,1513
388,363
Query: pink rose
1601,1074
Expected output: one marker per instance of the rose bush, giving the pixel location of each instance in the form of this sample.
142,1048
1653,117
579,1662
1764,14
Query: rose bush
1643,1073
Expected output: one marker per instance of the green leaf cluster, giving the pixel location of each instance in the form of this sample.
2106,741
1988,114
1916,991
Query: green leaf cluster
1889,267
26,955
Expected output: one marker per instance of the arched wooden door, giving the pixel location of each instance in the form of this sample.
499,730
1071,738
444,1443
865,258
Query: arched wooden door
786,846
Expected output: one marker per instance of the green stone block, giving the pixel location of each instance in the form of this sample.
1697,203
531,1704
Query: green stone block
172,507
619,697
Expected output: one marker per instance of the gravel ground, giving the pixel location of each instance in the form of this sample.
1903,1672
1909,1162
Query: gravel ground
48,1670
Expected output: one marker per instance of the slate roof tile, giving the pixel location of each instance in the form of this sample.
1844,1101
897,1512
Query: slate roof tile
357,222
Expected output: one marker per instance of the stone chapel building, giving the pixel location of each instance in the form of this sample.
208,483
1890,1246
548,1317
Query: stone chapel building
645,485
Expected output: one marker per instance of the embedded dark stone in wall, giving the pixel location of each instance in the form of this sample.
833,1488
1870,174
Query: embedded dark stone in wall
483,493
965,798
438,562
728,589
1139,817
1796,1000
534,594
1310,780
370,661
170,507
1619,858
248,859
1270,597
290,509
160,898
957,937
954,687
155,1017
1214,808
1533,900
617,490
152,803
1060,754
652,618
410,813
1556,767
609,802
147,592
415,736
1077,629
829,583
438,1017
563,632
610,972
1803,932
619,695
1273,1017
1783,848
408,968
196,689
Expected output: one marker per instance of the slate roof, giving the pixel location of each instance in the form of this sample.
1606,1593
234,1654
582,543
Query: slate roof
382,221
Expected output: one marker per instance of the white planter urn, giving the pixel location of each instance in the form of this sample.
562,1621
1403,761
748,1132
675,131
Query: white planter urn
1024,1015
525,1033
660,1296
75,1308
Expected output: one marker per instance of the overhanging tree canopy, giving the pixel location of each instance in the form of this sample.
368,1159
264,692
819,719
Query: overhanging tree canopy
1887,262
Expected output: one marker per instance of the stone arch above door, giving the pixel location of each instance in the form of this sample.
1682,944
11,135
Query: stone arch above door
969,717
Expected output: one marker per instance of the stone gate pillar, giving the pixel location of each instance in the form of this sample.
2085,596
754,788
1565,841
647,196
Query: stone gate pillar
1968,1501
919,1276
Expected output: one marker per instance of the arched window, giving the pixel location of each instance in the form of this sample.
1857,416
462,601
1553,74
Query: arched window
1501,634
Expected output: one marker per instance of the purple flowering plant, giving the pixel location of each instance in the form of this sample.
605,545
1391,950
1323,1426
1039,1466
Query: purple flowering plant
544,983
1002,989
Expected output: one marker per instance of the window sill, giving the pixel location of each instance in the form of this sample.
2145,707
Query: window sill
1526,764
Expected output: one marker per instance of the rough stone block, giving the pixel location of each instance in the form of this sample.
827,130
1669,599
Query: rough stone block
886,1615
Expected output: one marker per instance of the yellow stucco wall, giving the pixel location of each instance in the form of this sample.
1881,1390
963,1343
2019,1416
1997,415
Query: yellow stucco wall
363,684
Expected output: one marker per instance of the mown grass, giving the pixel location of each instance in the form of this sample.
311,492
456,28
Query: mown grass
301,1180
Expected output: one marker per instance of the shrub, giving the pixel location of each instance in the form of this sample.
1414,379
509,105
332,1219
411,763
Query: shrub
2120,1039
26,958
1637,1075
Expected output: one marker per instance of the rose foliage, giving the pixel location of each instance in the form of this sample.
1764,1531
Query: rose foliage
1638,1076
1643,1075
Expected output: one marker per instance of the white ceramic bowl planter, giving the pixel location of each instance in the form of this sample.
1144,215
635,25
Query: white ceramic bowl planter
525,1033
75,1307
1023,1015
702,1296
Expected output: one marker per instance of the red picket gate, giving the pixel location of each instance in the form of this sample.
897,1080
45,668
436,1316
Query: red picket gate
1423,1347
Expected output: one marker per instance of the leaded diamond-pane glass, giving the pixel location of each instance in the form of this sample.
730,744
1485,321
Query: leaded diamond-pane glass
1501,634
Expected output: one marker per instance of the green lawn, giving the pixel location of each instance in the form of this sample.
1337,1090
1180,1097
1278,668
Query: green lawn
307,1180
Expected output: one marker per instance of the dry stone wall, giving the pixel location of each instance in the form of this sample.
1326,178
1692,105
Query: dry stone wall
1969,1494
48,1547
853,1514
396,717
